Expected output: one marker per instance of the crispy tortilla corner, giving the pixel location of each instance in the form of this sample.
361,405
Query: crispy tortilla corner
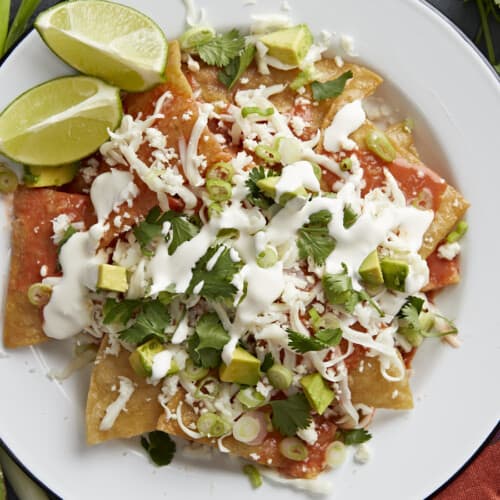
368,386
32,248
142,410
267,453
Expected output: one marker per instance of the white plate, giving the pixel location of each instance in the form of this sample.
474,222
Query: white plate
433,73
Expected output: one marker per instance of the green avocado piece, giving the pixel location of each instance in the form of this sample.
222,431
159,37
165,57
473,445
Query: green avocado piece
37,177
317,392
141,359
370,270
243,369
289,45
268,187
113,278
395,273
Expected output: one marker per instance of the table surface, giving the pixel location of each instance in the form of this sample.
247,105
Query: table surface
463,14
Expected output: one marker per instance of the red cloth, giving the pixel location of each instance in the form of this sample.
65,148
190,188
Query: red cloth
480,480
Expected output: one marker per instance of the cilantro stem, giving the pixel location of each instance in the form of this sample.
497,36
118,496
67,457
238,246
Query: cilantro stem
486,31
20,23
4,23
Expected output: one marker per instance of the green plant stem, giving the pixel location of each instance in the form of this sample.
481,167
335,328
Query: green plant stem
4,23
486,30
20,23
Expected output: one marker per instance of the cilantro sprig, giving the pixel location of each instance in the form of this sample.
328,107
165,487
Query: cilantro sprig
314,238
182,229
290,415
233,71
323,339
256,196
353,436
216,281
267,362
160,447
206,344
221,49
332,88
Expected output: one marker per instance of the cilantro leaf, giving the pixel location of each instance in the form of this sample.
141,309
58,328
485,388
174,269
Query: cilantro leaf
338,289
182,229
70,231
350,216
256,196
290,415
267,362
332,88
216,282
161,447
353,436
119,312
221,49
211,332
322,340
233,71
207,358
314,238
150,322
415,302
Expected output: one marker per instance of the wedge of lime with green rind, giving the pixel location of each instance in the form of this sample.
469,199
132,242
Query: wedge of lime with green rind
3,490
110,41
60,121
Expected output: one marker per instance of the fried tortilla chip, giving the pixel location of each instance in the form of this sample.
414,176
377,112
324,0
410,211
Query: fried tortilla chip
32,248
368,386
142,409
266,453
442,272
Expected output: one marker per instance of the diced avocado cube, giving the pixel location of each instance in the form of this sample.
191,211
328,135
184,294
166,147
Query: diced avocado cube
395,273
49,176
370,270
289,45
244,368
268,187
317,392
141,359
113,278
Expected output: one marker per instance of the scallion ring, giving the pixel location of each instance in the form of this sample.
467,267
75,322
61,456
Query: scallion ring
294,449
378,143
211,425
219,190
39,294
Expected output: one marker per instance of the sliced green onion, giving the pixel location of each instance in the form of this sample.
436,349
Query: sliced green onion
441,326
336,454
458,232
39,294
211,425
314,316
254,475
268,154
219,190
194,372
317,170
350,216
253,110
304,77
267,258
198,35
250,428
378,143
289,149
206,392
8,180
214,210
280,377
329,320
294,449
412,335
250,398
229,233
220,170
346,164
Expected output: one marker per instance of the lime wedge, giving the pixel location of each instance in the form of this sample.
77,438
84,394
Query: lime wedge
60,121
107,40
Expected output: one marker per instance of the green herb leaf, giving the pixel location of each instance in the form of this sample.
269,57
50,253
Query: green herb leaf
207,358
350,216
161,447
267,362
233,71
322,340
216,282
221,49
150,322
256,196
314,238
338,289
354,436
182,230
119,312
332,88
211,332
290,415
